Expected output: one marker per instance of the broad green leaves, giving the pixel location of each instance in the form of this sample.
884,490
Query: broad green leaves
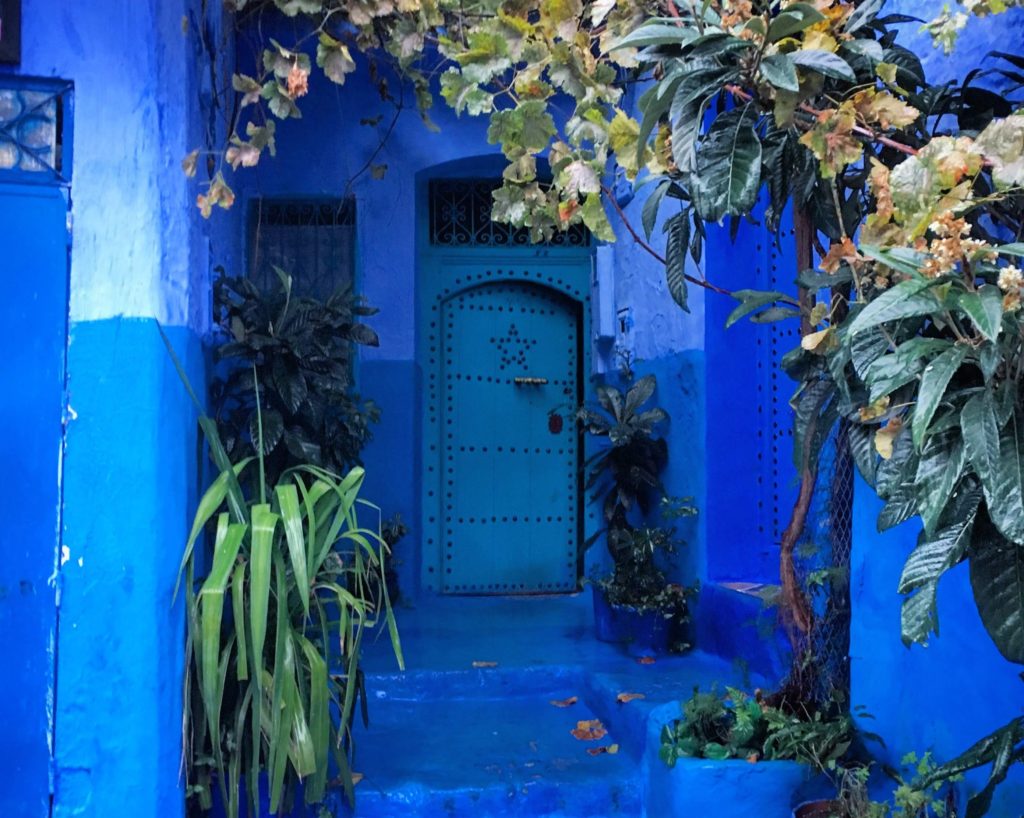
728,169
997,577
932,390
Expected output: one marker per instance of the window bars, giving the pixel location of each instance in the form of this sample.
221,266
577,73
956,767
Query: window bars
460,216
313,240
35,138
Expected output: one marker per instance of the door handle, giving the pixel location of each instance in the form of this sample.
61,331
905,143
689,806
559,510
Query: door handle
522,381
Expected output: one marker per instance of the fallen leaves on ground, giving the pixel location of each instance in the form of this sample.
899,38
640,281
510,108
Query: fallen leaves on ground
753,758
356,778
565,702
610,749
485,664
645,660
589,730
625,698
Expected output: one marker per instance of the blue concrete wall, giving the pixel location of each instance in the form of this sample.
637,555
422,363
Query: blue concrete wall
942,697
129,486
139,252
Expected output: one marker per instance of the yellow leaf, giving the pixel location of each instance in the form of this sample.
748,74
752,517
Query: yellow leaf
885,437
819,341
625,698
565,702
645,660
875,410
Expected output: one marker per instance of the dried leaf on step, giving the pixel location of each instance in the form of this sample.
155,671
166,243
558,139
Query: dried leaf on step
753,758
610,749
625,698
356,778
565,702
485,664
589,730
645,660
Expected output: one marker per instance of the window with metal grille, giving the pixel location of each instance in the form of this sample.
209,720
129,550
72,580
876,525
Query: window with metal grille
35,133
460,216
313,240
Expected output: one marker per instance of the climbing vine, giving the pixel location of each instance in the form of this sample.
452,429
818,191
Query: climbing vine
908,194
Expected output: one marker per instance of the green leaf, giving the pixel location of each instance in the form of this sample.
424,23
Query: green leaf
752,300
1004,485
997,577
932,391
291,517
824,62
1015,249
264,525
334,58
779,70
649,214
595,218
907,299
211,601
792,20
676,248
888,373
863,14
981,435
728,170
985,309
942,462
656,34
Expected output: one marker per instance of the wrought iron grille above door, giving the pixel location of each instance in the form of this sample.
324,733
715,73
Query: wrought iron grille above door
460,216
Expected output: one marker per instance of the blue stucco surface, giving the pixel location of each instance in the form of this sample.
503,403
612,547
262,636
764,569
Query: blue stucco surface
129,486
33,332
942,697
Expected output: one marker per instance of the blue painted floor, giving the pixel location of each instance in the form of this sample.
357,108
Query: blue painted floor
450,739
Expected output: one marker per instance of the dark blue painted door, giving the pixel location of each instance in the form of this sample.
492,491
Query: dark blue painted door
511,369
33,333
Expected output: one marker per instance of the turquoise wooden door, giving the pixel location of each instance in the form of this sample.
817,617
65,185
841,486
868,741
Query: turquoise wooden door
510,453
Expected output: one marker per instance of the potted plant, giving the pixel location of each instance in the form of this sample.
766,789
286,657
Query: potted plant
635,604
729,750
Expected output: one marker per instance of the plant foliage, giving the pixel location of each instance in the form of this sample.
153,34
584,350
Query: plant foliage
276,619
300,352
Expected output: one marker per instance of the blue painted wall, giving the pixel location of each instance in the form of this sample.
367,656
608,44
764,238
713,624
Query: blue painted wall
33,331
139,252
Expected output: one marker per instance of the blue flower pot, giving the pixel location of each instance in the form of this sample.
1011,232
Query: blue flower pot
644,633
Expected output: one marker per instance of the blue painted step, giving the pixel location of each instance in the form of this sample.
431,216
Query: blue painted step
487,743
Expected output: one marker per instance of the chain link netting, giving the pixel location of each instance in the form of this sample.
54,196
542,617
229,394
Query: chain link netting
825,560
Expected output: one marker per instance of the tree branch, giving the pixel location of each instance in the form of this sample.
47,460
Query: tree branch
700,282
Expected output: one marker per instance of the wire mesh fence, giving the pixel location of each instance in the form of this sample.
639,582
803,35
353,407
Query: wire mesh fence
826,567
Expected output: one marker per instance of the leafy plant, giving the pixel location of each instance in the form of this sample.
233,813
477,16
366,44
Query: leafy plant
916,793
625,472
275,629
300,352
735,725
637,580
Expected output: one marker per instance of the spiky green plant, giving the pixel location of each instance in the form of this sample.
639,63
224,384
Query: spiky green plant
275,628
